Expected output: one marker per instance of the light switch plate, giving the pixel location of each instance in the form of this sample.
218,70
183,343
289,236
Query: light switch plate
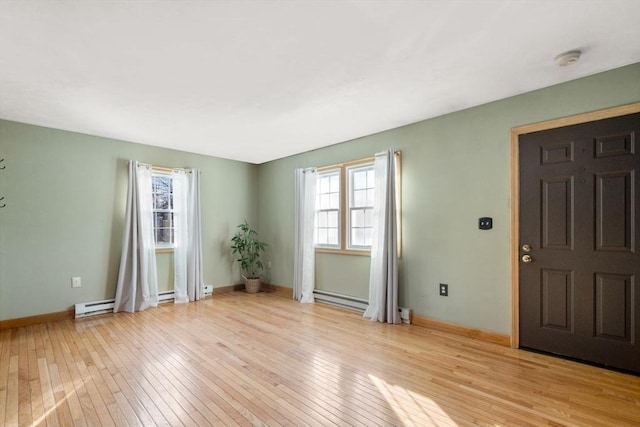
485,223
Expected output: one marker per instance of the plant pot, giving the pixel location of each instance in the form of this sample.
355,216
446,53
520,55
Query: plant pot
252,286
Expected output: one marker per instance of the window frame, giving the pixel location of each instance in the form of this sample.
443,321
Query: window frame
163,247
327,174
344,226
350,202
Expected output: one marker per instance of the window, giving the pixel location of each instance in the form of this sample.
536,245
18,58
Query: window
163,210
345,196
361,187
344,207
327,230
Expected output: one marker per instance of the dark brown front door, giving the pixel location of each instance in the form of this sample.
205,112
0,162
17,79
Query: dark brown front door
579,284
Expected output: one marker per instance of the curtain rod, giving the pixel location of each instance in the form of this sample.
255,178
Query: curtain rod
349,163
353,162
382,153
161,168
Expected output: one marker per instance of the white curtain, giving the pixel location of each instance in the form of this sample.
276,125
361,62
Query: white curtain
181,239
195,277
383,279
304,257
188,278
137,287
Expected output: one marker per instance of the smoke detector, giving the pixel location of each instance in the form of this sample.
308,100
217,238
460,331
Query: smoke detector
568,58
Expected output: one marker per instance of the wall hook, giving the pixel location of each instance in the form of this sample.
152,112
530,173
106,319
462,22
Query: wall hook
3,167
4,204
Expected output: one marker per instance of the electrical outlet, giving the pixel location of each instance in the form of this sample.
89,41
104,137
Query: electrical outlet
444,290
268,264
405,314
76,282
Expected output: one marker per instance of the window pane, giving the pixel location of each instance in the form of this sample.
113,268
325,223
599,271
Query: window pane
371,177
368,236
357,237
162,184
370,197
322,219
325,201
357,218
325,184
322,236
164,235
160,201
332,219
335,184
162,219
359,180
332,236
368,218
334,201
359,198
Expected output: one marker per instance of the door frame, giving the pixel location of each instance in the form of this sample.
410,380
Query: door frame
514,251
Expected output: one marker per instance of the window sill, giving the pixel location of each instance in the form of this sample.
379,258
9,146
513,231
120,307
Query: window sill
342,252
164,250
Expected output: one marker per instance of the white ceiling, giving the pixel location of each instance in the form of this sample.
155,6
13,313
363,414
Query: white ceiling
261,80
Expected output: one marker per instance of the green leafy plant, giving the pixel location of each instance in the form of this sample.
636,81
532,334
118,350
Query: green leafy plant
245,243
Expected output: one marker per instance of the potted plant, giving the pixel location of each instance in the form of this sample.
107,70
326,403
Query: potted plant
245,243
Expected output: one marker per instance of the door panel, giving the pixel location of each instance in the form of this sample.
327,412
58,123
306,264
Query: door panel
613,306
557,212
557,298
614,216
579,191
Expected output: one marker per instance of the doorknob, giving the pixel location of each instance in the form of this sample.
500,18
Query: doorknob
526,247
526,258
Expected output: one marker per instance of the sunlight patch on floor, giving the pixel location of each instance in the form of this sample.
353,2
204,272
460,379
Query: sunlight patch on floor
42,420
412,409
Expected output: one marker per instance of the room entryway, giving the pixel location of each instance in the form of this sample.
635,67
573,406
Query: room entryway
579,232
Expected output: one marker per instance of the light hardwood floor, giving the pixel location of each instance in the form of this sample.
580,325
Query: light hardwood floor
241,359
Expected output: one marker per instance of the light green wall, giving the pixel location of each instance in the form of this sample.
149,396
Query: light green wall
455,169
343,274
164,268
65,194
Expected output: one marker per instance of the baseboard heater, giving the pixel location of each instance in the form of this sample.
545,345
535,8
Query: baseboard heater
94,308
353,303
339,300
